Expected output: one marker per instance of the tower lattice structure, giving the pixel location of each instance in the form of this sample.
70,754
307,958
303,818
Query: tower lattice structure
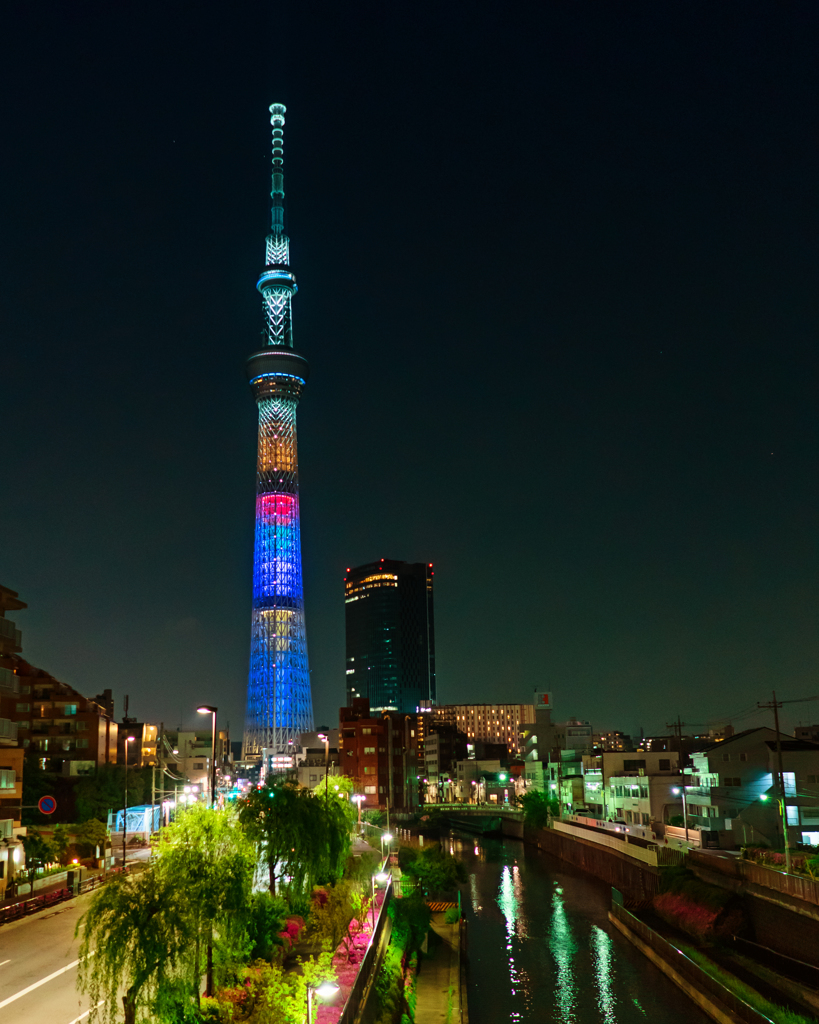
279,703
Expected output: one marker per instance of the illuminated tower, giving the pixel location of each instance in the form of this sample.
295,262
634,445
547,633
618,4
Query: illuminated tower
279,705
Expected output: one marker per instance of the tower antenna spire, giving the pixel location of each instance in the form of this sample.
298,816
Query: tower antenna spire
277,112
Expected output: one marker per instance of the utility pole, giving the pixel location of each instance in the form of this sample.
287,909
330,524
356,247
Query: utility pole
775,705
677,727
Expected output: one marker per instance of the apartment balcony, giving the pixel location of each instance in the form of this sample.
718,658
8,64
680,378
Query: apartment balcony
10,633
8,733
9,682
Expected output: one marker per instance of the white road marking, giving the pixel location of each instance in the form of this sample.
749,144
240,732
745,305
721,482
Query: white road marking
37,984
82,1016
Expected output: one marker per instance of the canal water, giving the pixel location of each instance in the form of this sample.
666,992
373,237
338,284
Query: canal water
541,948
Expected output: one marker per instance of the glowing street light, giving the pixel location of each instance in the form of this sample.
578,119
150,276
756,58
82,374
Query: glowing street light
359,799
325,992
678,790
207,709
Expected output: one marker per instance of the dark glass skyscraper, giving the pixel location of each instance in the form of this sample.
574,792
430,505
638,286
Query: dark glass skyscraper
390,635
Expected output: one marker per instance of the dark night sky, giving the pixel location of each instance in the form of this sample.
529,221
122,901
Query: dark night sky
558,286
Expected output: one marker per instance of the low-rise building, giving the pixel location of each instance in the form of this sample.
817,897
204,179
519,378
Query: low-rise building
733,786
379,752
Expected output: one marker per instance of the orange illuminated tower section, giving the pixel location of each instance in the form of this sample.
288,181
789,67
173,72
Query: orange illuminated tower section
279,703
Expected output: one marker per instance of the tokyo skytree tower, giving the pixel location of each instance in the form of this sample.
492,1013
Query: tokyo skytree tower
279,704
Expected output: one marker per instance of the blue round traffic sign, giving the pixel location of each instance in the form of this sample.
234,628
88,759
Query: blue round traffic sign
47,804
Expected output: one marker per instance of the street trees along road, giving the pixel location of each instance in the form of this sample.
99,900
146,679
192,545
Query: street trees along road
135,935
208,854
148,933
302,840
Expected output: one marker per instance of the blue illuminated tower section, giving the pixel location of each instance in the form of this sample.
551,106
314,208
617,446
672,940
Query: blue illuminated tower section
279,704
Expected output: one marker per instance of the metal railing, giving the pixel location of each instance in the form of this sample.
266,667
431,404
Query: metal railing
9,681
367,966
8,729
9,630
793,885
23,908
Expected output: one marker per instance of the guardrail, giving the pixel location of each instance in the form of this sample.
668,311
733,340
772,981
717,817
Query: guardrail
24,908
353,1003
639,849
792,885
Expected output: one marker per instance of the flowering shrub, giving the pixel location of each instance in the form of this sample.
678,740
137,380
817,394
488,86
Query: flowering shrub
803,865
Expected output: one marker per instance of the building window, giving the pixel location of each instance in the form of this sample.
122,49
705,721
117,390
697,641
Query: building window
70,709
81,743
366,732
665,764
198,766
789,779
793,815
369,750
24,707
729,781
314,778
369,789
369,770
80,725
743,757
726,757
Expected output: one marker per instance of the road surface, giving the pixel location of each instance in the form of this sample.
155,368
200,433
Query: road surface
38,967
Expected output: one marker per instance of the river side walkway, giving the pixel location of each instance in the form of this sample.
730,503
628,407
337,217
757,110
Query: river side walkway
438,982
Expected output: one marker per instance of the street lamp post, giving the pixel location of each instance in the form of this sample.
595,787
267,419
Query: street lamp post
359,799
326,740
206,709
681,789
325,991
128,739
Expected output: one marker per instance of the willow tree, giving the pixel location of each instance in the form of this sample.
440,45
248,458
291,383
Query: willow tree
208,856
135,937
300,839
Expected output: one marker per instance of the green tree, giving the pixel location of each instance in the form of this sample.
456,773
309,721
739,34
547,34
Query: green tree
300,839
138,930
537,808
60,840
330,919
435,869
39,852
208,856
266,918
275,996
89,836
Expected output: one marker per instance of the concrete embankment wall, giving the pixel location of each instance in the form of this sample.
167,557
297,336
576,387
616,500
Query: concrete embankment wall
717,1001
640,881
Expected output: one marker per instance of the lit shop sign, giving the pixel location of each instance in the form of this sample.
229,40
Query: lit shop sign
542,699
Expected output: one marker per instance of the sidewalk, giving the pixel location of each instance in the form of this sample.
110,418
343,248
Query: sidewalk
438,986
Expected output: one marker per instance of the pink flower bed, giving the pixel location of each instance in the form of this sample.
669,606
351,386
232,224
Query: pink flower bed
347,962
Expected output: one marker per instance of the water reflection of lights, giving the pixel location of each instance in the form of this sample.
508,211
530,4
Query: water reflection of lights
473,892
563,948
601,948
510,901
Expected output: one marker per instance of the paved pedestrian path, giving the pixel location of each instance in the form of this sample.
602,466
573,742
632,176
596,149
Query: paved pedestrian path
438,983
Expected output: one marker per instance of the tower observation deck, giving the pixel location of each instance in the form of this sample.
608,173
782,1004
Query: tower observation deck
279,703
